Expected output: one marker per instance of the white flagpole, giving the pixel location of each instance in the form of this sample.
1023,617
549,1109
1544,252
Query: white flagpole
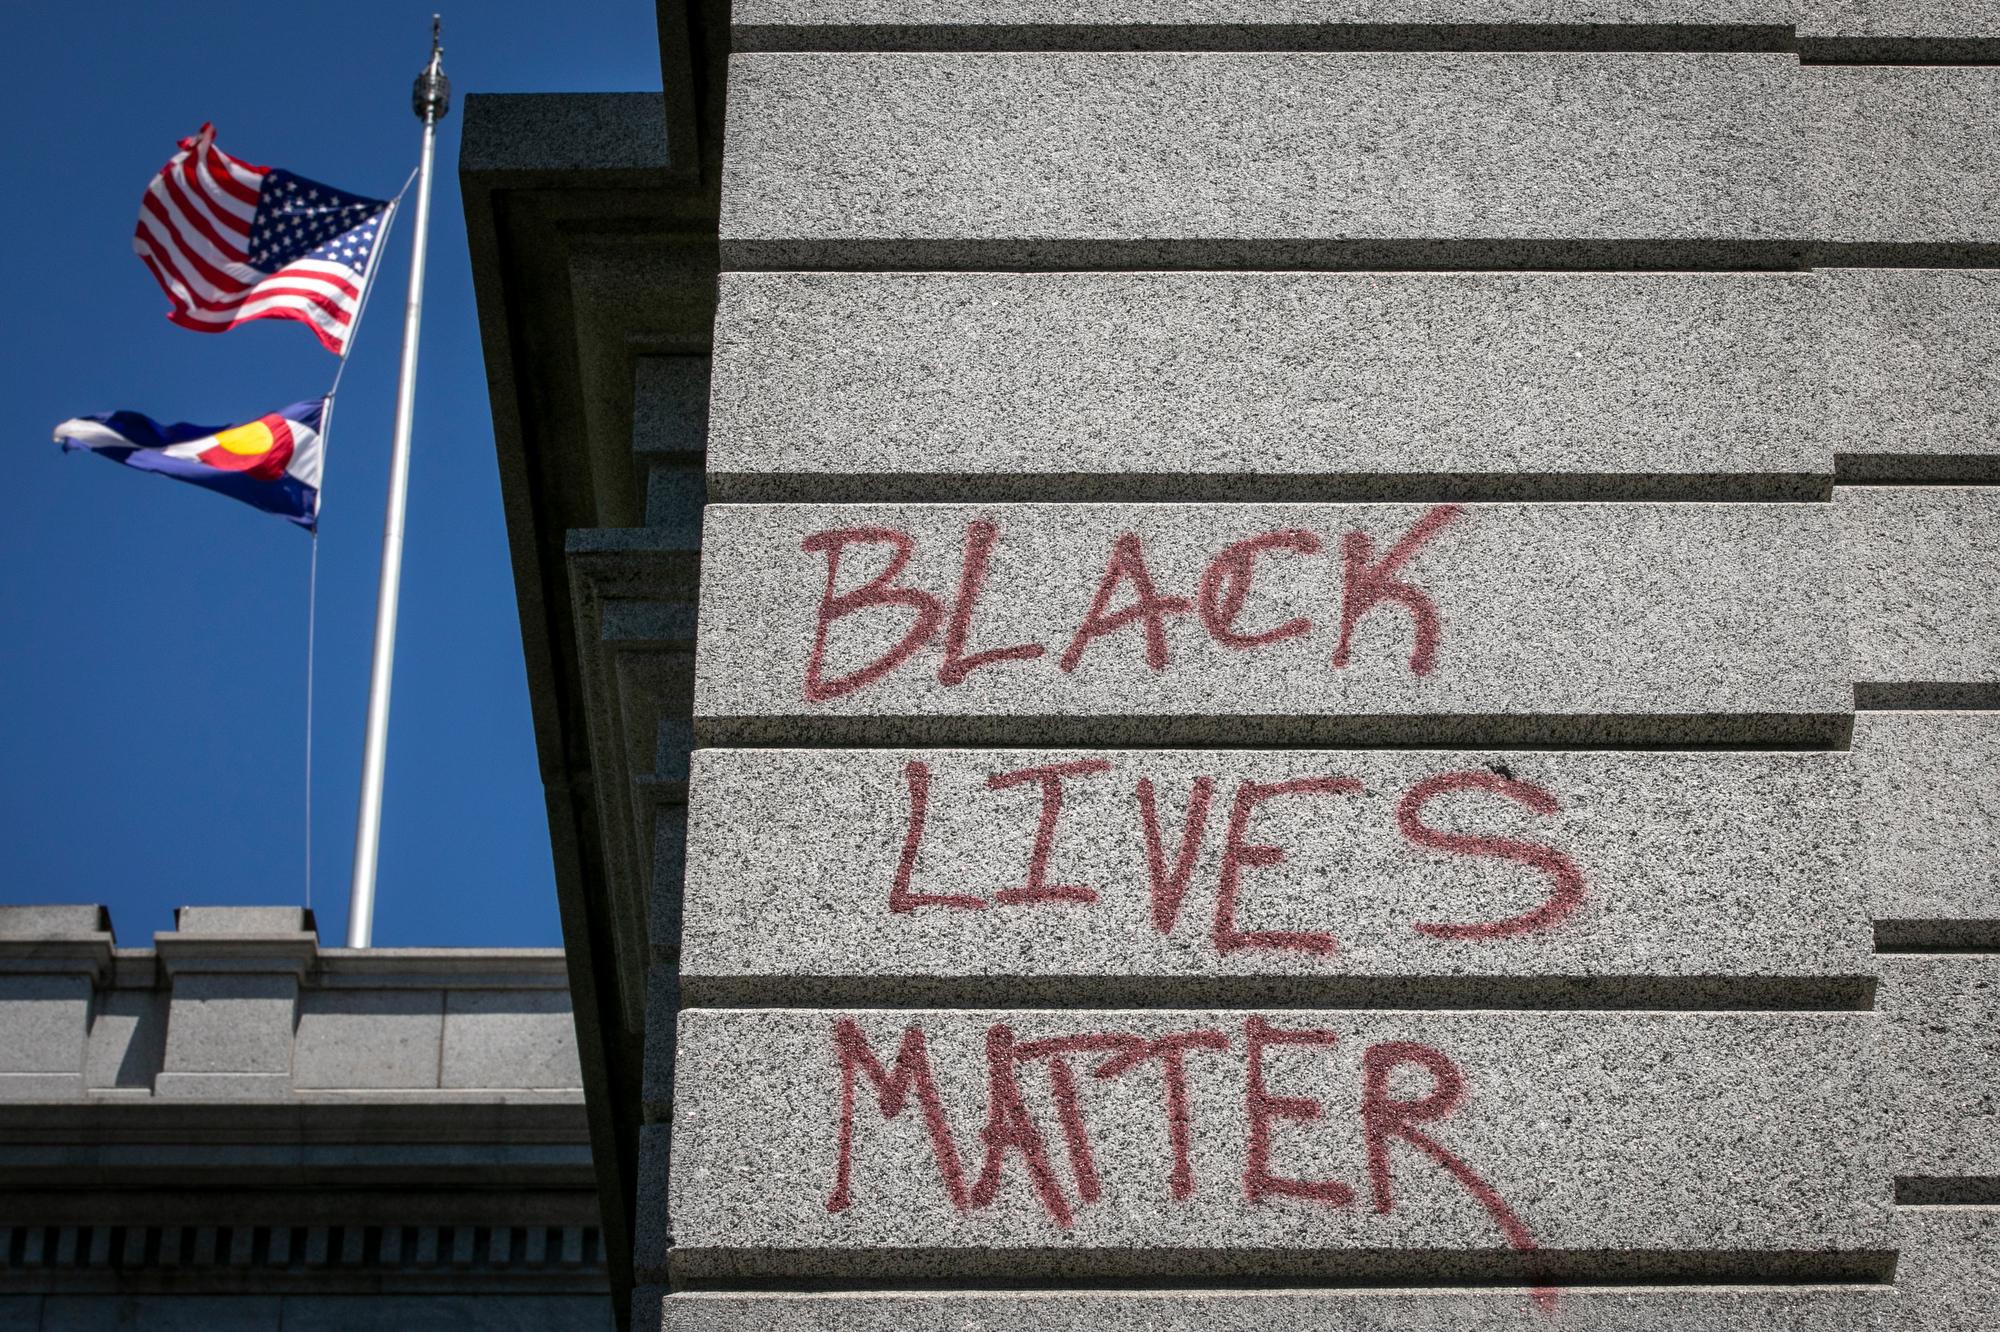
430,99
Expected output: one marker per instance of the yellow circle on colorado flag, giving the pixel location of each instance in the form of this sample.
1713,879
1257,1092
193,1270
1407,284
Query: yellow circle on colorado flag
247,440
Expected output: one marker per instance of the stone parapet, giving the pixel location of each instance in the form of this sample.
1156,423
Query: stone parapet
242,1003
52,960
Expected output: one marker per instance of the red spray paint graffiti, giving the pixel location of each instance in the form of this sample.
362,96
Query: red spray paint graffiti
1012,1127
1566,888
1168,880
1219,601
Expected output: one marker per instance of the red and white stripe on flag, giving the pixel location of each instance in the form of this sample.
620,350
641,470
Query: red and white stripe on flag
226,252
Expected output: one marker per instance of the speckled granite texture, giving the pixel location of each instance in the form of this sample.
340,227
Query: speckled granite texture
959,158
1612,1138
1660,1309
1363,385
1665,871
1919,566
1564,623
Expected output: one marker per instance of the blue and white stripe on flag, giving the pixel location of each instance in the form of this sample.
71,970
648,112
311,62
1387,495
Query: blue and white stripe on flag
272,462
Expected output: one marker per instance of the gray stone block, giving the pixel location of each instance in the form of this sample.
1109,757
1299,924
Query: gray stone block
1904,155
1899,30
1289,25
1948,1273
243,920
664,892
128,1039
861,386
1618,1145
521,1039
52,959
1912,373
60,921
1555,624
663,1002
544,134
1929,821
1921,569
1261,160
675,492
46,1022
652,1237
1654,879
368,1039
1656,1309
1141,14
1881,29
1941,1055
222,1086
669,404
229,1034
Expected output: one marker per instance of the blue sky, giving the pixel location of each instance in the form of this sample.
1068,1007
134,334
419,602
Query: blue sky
152,635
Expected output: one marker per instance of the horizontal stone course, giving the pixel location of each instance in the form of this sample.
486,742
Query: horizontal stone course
495,1038
1666,880
1920,570
1829,30
1618,1144
1515,624
368,1038
1082,159
1910,31
1237,25
1660,1309
1379,385
1138,14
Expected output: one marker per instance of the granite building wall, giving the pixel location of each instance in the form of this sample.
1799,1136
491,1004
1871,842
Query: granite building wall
1309,664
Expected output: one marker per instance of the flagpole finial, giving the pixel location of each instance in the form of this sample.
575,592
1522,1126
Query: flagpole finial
431,97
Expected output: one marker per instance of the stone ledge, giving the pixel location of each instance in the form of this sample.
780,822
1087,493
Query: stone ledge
1863,1308
529,139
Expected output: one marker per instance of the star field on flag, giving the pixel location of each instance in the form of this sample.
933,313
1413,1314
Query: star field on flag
230,242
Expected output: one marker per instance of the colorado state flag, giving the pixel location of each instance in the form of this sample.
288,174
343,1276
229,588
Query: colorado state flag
272,462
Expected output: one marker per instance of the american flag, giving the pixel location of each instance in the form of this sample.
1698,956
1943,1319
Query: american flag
231,242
